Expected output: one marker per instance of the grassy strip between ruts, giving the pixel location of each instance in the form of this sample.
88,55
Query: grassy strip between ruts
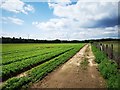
108,69
38,72
84,64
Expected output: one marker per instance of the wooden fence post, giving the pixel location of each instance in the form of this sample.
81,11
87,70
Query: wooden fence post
99,46
106,49
111,53
103,47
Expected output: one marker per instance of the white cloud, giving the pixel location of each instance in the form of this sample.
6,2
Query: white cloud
16,20
28,8
16,6
86,11
81,34
53,24
90,33
64,29
12,20
98,0
60,2
13,34
77,21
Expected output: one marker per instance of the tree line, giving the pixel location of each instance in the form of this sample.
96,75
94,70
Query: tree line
22,40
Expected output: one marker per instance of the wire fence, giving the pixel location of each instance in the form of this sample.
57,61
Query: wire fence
109,51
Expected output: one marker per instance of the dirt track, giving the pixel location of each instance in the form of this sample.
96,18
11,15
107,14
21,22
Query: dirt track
72,75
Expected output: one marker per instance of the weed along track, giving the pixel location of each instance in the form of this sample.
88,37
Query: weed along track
78,72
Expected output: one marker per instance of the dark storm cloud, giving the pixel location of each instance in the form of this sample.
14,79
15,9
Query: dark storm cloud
107,22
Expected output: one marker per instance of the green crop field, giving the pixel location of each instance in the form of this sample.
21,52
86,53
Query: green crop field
36,60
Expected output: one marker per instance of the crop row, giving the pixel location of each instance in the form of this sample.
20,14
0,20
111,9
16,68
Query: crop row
12,55
38,72
18,51
27,55
10,49
20,66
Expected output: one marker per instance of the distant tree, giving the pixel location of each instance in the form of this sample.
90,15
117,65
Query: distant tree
13,37
20,38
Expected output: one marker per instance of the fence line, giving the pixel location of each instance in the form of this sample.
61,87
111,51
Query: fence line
108,50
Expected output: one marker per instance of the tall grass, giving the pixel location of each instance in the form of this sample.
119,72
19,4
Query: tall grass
108,68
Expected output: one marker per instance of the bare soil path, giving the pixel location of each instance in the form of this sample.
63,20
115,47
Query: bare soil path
73,75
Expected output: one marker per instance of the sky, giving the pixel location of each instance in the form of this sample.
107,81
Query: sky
59,19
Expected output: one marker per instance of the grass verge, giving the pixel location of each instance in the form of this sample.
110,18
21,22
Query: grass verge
107,68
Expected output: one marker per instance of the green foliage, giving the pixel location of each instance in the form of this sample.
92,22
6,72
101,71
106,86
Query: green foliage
107,68
84,64
99,56
7,59
114,81
20,65
15,83
43,69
